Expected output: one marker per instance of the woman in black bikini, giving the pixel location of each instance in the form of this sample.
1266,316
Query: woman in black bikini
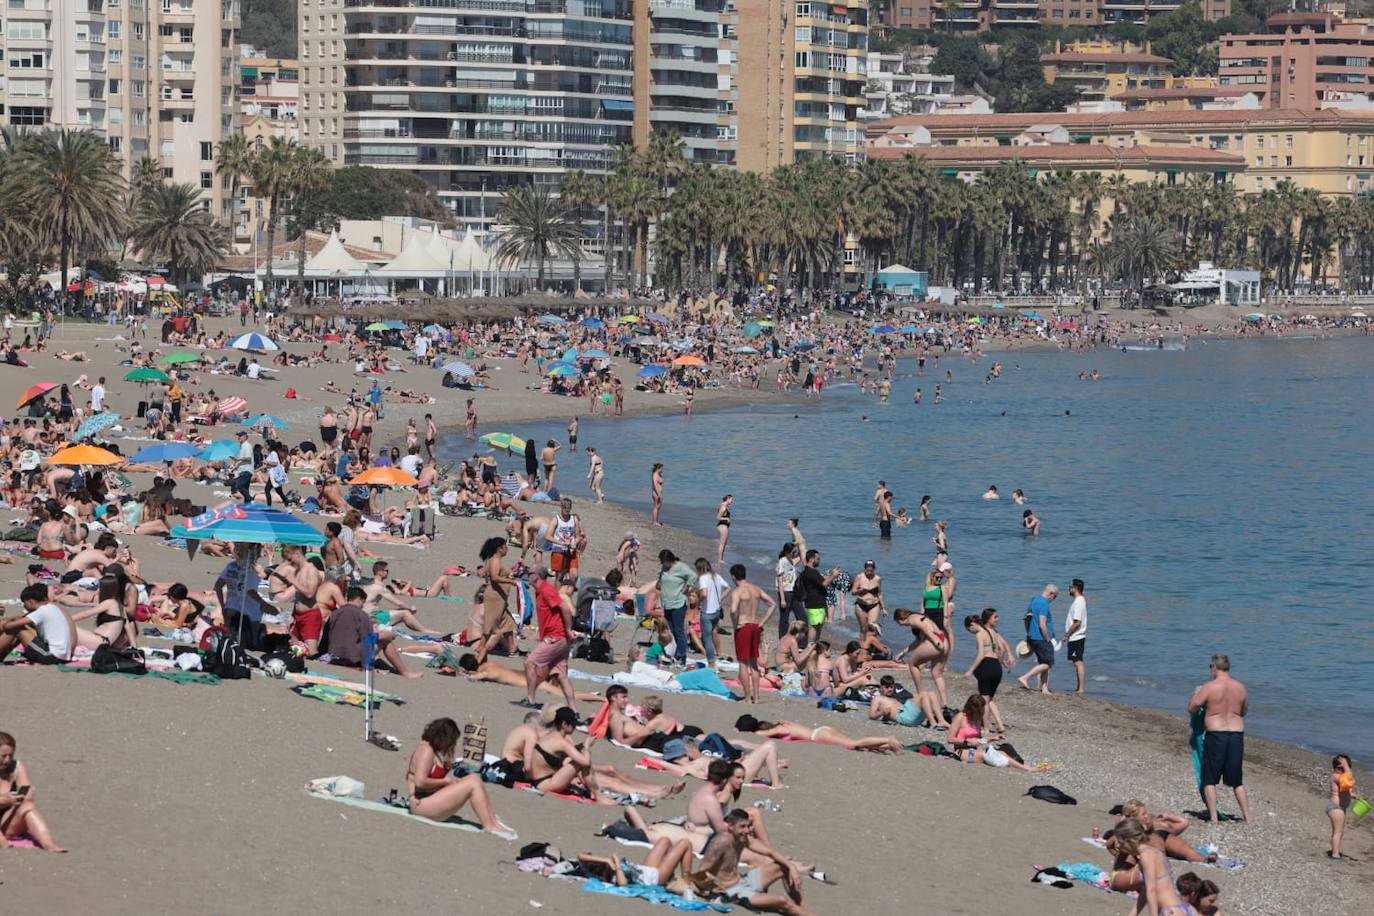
987,665
114,608
723,527
868,597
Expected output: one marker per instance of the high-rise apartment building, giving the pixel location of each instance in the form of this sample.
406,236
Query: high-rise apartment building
1302,60
752,83
474,96
985,15
158,78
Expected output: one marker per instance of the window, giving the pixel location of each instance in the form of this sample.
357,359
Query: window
207,181
27,30
138,117
138,61
138,31
166,149
116,57
114,87
167,174
206,151
138,88
1288,161
27,60
115,144
28,117
28,89
116,116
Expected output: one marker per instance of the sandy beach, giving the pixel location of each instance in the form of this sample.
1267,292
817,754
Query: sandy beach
193,796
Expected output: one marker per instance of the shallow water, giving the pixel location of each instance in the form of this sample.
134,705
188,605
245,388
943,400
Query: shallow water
1213,499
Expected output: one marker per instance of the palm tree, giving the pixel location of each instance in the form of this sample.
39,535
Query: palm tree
68,181
145,175
172,223
580,191
234,160
1148,248
537,226
309,175
271,171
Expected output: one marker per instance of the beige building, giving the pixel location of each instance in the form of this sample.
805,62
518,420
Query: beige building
156,77
1331,151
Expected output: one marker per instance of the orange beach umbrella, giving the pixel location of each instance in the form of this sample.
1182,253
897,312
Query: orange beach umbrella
84,454
385,477
689,360
35,391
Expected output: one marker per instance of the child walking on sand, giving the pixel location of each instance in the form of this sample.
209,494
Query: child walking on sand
1342,791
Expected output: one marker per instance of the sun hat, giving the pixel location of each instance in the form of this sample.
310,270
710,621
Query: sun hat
1023,649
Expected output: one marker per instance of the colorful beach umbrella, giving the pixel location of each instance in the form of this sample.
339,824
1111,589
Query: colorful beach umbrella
385,477
506,441
563,370
629,319
96,424
250,523
266,419
377,326
253,341
652,370
146,375
460,369
167,451
689,360
33,392
232,407
220,450
753,329
176,359
84,454
432,329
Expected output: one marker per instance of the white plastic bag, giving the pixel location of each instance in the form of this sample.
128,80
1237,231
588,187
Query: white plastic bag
338,786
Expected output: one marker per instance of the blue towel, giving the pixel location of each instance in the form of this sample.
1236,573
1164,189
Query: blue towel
653,894
704,680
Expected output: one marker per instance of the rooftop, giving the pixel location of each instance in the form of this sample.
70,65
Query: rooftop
1185,92
1095,57
1058,155
1131,120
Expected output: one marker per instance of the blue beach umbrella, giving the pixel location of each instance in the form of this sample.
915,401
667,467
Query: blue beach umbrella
550,319
432,329
882,329
167,451
1254,316
909,329
593,323
253,341
569,356
266,419
249,523
564,370
395,324
460,369
753,329
657,317
96,424
651,371
594,354
220,450
1031,316
746,350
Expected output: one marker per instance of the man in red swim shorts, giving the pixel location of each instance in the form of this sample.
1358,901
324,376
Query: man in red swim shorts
744,610
303,581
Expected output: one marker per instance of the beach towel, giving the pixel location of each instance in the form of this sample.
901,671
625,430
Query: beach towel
601,722
653,894
176,677
704,680
384,808
1197,736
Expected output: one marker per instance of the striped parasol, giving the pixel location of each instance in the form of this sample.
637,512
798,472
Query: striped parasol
232,407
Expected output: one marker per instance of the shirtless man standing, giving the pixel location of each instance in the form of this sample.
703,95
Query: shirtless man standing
1226,702
431,435
744,609
307,620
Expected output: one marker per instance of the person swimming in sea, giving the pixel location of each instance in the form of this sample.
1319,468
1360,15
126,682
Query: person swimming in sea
1030,523
916,398
991,492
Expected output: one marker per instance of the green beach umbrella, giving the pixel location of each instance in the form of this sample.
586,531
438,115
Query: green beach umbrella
176,359
147,375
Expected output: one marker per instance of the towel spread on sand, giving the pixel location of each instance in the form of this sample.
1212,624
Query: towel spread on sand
653,894
176,677
384,808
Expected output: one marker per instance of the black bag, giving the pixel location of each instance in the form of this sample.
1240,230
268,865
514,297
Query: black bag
221,655
1051,794
106,660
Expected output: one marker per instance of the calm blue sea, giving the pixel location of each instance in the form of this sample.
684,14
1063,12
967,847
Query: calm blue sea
1213,499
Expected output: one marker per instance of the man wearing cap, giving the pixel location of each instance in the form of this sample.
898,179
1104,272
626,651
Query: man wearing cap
1040,636
548,660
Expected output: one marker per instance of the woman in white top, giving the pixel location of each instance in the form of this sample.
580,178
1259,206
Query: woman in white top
785,577
713,589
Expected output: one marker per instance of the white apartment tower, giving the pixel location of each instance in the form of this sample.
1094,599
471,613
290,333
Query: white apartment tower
158,78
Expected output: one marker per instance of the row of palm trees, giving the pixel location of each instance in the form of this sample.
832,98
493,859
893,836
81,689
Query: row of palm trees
1009,228
63,195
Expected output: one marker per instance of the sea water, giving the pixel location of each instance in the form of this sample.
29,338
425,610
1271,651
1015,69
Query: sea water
1214,499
